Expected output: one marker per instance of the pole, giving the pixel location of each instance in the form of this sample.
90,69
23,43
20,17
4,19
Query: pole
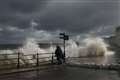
52,58
37,64
18,64
64,50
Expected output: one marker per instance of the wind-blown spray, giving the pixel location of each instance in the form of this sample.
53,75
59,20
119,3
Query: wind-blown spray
91,46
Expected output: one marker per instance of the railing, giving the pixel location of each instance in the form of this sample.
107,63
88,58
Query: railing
19,60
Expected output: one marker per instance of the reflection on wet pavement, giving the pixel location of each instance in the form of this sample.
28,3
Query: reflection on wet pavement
64,73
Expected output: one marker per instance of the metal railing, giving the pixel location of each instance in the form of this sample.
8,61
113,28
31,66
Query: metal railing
20,60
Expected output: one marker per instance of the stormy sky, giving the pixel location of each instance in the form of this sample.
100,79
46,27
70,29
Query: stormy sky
44,19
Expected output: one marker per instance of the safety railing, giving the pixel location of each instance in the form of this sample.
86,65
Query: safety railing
20,60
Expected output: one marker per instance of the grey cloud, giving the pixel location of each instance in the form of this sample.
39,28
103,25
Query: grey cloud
81,17
19,12
73,16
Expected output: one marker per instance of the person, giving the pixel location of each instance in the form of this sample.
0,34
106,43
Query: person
59,55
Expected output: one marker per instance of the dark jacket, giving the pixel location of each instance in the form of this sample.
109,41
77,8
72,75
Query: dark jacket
58,52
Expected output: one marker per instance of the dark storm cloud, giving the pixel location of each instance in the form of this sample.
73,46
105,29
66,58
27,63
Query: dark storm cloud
65,14
19,12
15,15
74,16
82,16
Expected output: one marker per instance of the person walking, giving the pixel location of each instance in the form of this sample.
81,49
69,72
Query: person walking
59,55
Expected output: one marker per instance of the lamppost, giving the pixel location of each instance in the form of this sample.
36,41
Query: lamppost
64,37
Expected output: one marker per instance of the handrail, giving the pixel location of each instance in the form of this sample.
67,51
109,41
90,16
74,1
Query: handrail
38,54
25,58
7,59
8,54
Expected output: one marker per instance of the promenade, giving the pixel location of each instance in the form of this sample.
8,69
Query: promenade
63,72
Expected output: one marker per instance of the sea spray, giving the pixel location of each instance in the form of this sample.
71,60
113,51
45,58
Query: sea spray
31,47
88,47
91,46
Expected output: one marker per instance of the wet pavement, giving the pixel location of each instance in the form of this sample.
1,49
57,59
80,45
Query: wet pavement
64,73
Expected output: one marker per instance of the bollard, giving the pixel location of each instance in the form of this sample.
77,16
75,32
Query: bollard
52,59
37,59
18,61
